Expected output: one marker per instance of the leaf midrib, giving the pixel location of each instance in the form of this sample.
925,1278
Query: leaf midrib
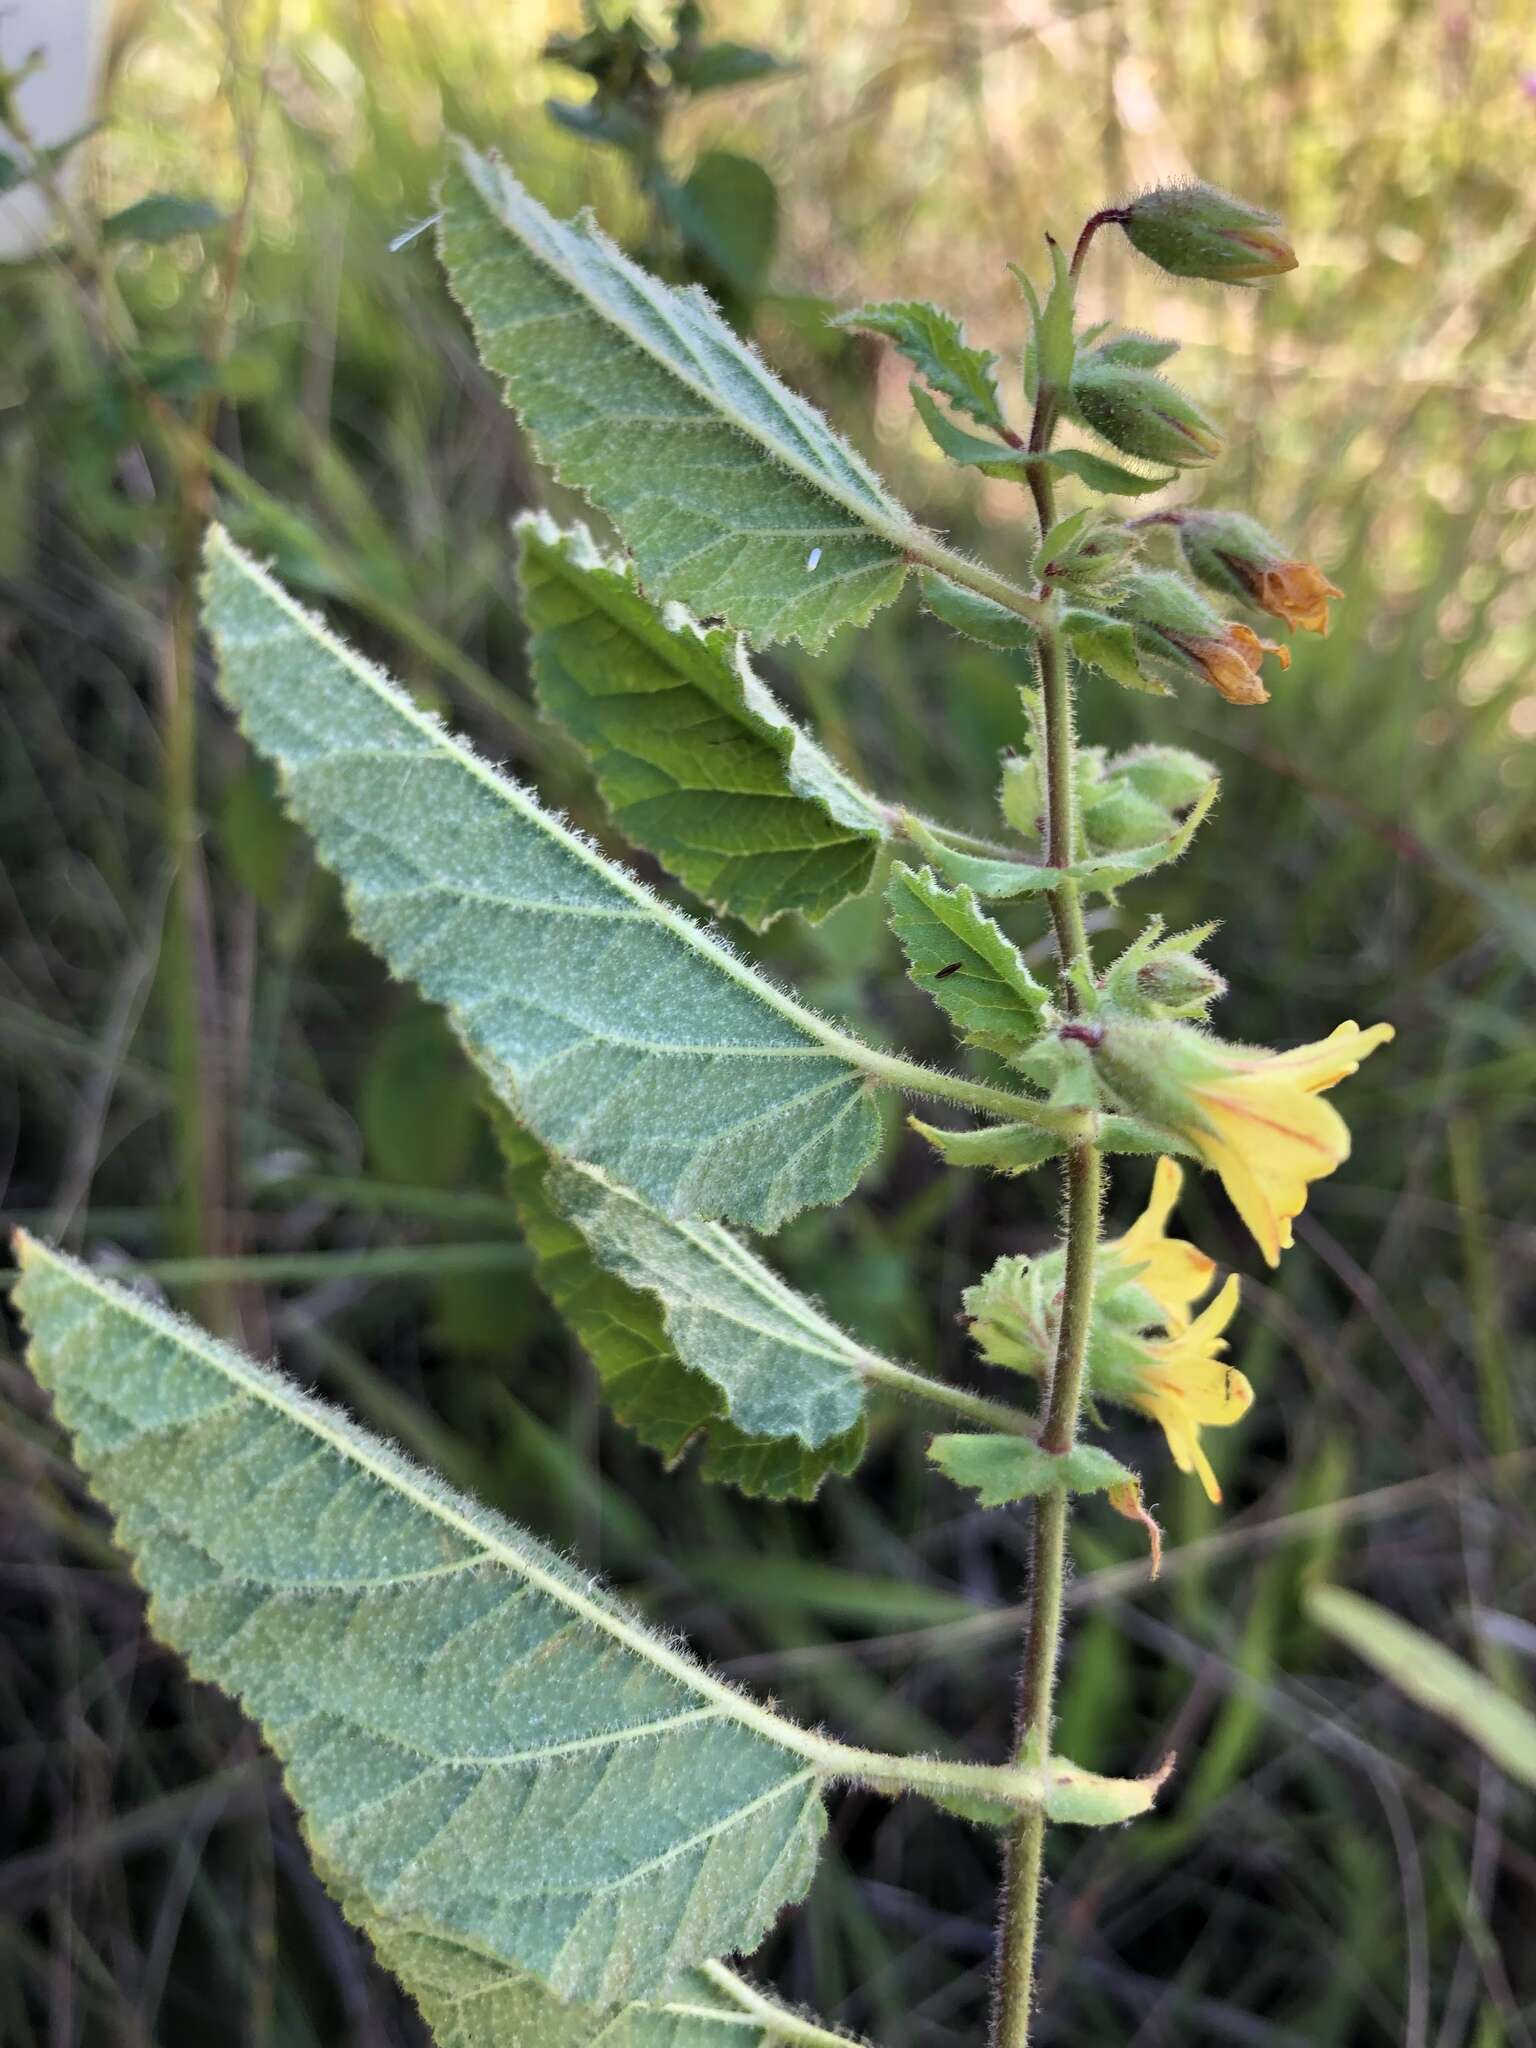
898,533
508,792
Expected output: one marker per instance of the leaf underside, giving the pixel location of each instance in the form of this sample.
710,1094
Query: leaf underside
449,1699
783,1368
617,1029
668,1403
695,761
733,494
472,2002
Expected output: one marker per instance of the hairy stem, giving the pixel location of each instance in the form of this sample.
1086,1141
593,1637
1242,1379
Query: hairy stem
916,1386
1083,1191
1091,227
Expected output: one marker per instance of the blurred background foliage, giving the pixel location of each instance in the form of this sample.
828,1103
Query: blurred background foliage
204,1074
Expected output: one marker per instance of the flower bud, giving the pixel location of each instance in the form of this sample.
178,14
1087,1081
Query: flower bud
1178,983
1010,1310
1197,231
1098,558
1233,553
1142,414
1177,628
1162,977
1171,776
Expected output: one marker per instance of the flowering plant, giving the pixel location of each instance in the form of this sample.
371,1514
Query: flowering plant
531,1798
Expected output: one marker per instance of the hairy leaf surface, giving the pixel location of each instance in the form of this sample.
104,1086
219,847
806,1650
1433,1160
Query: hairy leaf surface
734,495
620,1031
668,1403
473,2002
934,342
695,760
1000,1469
450,1700
784,1369
964,962
968,612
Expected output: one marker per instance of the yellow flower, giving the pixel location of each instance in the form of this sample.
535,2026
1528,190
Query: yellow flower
1174,1272
1185,1387
1259,1124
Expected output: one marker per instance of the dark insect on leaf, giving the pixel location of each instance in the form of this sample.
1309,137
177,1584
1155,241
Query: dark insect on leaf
954,967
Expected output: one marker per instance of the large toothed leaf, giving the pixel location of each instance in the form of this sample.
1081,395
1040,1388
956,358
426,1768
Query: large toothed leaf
486,1748
934,342
470,2002
668,1403
733,494
964,962
616,1028
490,1752
695,760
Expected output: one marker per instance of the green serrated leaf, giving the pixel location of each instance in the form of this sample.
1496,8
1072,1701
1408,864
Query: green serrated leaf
617,1029
470,2001
488,1748
998,881
964,961
695,760
734,495
449,1699
1100,474
667,1404
968,612
934,342
1000,1469
959,444
473,2002
1432,1676
1109,645
783,1369
1003,1148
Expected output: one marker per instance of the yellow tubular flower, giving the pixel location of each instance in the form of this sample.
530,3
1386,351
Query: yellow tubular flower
1185,1387
1260,1126
1174,1272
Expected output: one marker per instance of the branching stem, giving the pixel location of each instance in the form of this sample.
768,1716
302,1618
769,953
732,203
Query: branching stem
1083,1190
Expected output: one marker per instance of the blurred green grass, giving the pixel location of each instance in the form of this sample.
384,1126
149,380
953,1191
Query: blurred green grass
1330,1866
